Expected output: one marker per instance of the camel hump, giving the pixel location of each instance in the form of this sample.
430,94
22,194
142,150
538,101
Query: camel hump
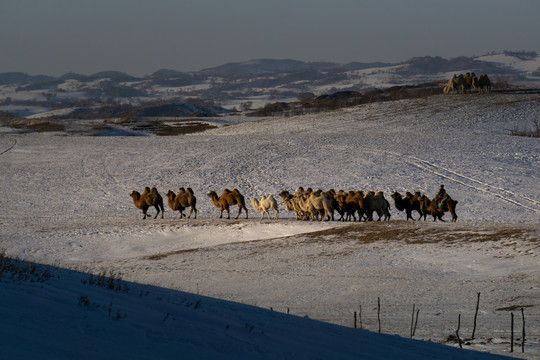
189,190
235,190
154,190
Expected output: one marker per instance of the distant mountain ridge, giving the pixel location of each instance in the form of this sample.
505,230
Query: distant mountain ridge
251,84
424,64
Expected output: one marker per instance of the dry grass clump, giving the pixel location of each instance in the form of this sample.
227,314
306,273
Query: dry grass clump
22,271
535,132
109,281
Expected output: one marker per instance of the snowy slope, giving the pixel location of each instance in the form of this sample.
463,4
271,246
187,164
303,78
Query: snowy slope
67,204
65,317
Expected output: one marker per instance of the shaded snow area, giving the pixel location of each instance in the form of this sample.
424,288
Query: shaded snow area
211,288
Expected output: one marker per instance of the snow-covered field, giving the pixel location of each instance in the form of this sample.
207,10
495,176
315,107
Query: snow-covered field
66,203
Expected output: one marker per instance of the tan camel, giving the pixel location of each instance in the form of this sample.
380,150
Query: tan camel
146,199
227,199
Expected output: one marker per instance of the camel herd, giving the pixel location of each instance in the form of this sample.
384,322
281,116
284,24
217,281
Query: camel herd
468,83
306,204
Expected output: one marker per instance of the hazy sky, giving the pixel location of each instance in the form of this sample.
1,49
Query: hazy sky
53,37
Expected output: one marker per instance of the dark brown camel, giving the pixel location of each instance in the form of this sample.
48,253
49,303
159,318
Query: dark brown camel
408,203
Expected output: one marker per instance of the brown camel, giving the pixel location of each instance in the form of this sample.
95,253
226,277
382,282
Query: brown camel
437,209
351,203
182,200
227,199
146,199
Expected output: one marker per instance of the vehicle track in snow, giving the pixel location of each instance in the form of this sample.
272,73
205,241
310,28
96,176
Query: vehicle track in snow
96,164
9,148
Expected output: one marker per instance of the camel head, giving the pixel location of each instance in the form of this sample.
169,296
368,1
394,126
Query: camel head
255,203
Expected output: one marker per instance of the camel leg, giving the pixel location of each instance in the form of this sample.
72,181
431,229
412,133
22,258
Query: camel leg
157,208
144,210
440,215
453,212
409,214
240,210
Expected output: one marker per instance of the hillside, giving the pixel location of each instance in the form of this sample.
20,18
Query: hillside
68,205
245,86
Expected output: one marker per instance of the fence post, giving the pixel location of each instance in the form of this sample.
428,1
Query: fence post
475,316
379,312
416,322
360,317
523,331
412,320
457,331
512,332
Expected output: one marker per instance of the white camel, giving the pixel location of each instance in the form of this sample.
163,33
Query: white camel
266,203
319,204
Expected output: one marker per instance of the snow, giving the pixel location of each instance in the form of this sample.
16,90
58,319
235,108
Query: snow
202,288
513,62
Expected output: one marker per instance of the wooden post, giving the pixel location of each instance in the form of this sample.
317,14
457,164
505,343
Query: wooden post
416,322
379,312
355,319
475,316
360,317
287,311
412,320
512,332
457,331
523,331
